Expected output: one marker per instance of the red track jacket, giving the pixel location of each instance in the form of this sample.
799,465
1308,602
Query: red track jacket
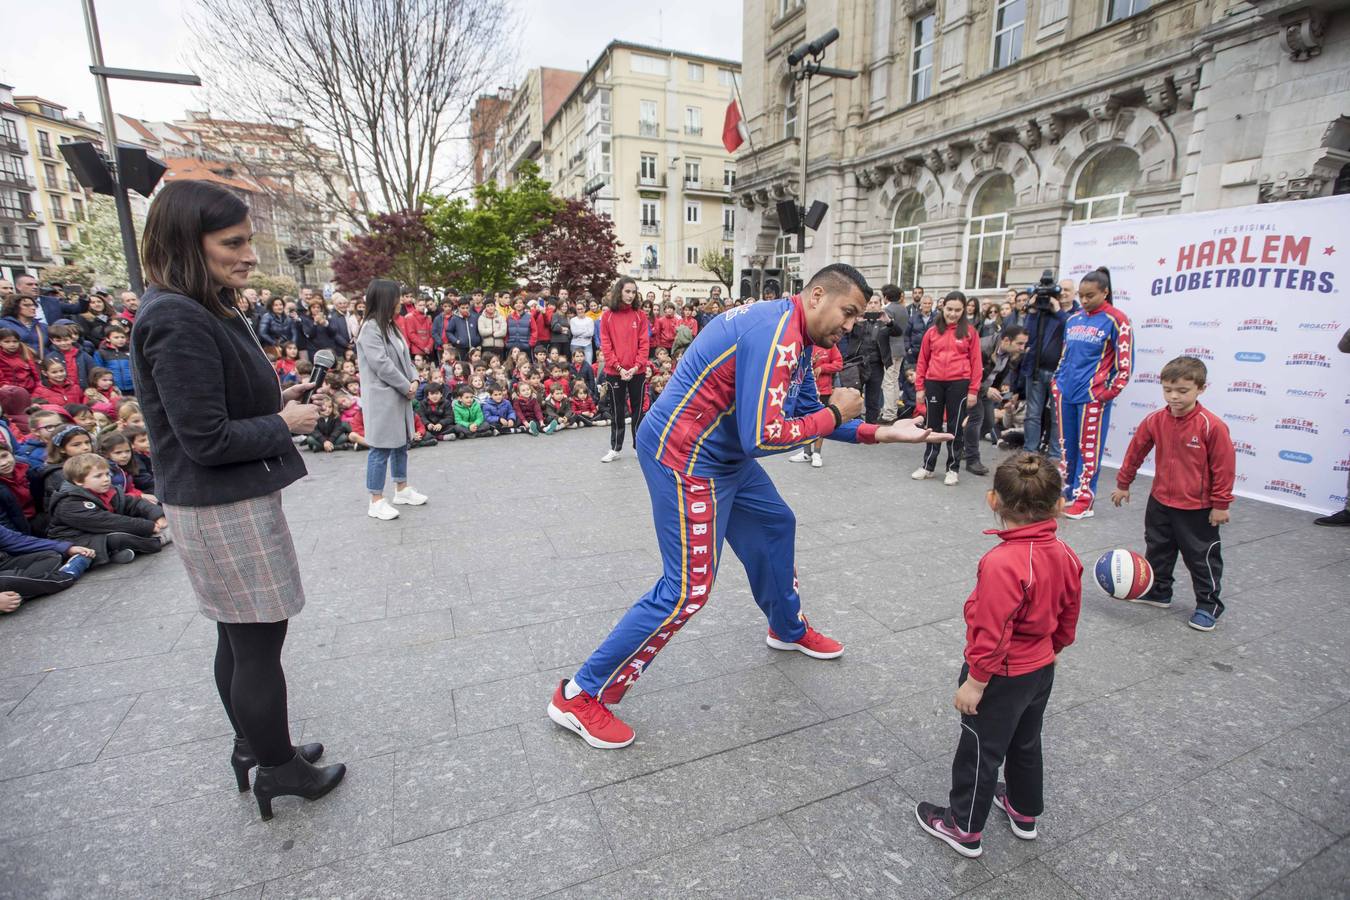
1195,464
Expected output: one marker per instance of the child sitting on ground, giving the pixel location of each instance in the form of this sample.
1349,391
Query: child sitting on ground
557,409
17,509
66,348
1195,466
143,473
32,450
115,447
469,421
498,412
583,406
56,387
438,415
114,356
330,433
419,437
1021,615
70,440
17,365
32,567
89,511
102,394
528,411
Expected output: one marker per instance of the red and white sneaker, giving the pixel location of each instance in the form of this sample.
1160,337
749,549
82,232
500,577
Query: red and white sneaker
813,643
589,718
1079,509
937,821
1022,826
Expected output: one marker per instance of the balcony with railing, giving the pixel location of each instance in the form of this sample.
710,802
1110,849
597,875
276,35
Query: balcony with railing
14,251
652,229
54,184
45,149
655,182
16,180
694,130
705,186
12,144
72,185
728,234
648,129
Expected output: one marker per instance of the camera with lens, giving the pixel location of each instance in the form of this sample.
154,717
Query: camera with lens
1045,293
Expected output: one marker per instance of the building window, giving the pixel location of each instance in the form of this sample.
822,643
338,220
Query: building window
693,120
10,207
726,78
647,126
907,241
647,168
44,143
786,257
1102,193
988,233
79,209
58,211
691,255
787,6
1010,18
693,212
921,60
10,131
692,171
790,110
62,233
49,171
728,223
649,65
694,71
1123,9
650,212
728,178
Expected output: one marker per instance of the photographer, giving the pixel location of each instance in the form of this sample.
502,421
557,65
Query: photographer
1045,344
1001,354
869,348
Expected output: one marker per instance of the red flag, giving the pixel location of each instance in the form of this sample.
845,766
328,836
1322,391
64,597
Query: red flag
733,129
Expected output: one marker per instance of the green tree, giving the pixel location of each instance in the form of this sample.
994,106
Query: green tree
481,243
69,275
718,262
99,248
279,285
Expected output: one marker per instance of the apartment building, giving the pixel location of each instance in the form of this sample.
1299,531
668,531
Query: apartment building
23,237
60,199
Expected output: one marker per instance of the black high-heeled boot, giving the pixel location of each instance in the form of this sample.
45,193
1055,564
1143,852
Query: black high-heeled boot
296,778
243,759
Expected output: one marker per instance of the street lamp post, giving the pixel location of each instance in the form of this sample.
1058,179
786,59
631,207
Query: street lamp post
809,56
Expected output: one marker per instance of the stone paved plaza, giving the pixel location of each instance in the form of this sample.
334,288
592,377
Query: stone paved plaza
1179,764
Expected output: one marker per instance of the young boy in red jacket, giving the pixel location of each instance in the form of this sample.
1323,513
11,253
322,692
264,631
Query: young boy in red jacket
1022,613
1192,489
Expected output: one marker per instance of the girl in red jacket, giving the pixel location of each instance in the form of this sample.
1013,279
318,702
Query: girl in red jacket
57,387
1022,613
625,343
946,381
824,364
17,366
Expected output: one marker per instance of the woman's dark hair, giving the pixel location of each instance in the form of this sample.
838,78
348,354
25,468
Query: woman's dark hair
171,250
1028,487
103,304
10,308
382,302
614,299
962,324
1101,277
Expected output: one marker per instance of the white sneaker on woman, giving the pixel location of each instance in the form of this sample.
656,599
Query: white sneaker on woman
409,497
920,474
610,456
381,509
951,479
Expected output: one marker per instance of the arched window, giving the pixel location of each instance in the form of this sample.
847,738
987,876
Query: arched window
988,233
1103,192
786,257
907,241
1340,186
790,110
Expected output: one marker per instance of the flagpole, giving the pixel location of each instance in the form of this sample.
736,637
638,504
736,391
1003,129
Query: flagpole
749,137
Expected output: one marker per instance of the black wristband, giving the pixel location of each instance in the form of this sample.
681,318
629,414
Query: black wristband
838,417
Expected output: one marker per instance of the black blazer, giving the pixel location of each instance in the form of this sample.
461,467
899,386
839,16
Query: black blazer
210,398
337,327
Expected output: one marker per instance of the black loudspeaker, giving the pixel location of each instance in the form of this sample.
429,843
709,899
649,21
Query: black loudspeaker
750,281
815,215
89,166
773,282
789,217
140,171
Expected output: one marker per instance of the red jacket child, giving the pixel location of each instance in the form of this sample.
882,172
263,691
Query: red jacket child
688,322
663,331
18,368
624,340
416,328
826,363
549,382
17,482
1024,608
541,325
529,410
58,394
946,357
1195,464
584,405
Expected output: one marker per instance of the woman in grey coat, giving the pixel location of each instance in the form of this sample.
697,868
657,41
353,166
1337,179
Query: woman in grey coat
388,385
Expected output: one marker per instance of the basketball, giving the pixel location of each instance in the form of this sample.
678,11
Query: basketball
1124,574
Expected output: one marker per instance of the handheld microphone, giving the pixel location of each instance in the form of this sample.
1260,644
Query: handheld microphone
324,360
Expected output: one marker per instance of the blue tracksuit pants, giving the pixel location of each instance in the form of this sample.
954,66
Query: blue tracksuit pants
1082,428
692,516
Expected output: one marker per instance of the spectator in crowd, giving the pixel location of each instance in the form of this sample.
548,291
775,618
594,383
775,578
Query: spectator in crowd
330,433
56,386
469,419
824,366
868,346
583,335
947,380
1045,345
388,386
18,362
114,356
492,330
415,324
93,322
32,567
498,413
90,511
894,307
20,314
528,409
275,327
625,343
1000,355
921,318
65,347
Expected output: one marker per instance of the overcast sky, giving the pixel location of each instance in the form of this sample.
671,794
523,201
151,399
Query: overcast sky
138,34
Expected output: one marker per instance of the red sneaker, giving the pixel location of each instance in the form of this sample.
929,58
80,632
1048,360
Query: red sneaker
589,718
1079,509
813,643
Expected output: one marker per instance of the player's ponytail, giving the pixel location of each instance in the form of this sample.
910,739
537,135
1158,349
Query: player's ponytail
1101,277
1028,487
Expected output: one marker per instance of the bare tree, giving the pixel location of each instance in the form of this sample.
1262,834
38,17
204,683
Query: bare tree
383,88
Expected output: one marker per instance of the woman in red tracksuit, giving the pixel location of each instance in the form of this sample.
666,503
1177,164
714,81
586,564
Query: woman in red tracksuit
625,343
947,380
1022,613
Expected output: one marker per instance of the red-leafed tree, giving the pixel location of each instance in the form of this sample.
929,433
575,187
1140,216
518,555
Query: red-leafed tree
396,247
578,251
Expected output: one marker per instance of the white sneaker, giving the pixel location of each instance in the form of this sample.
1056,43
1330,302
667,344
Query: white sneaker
799,456
951,479
610,456
817,460
381,509
920,474
409,497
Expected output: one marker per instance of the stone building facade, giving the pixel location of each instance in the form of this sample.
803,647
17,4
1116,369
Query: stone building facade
978,129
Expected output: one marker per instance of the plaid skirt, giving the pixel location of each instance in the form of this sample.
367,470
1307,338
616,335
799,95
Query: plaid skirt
240,559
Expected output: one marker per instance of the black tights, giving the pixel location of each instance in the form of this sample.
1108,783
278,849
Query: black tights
624,394
253,687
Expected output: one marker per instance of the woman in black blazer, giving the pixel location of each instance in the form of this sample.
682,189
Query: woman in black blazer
220,432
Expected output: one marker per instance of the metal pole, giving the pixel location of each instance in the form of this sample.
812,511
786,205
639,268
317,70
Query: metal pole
110,137
803,120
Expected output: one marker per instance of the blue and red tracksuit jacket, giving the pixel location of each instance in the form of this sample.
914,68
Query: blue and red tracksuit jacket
1098,356
744,388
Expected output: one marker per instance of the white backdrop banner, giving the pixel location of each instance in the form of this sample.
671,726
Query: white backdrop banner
1262,295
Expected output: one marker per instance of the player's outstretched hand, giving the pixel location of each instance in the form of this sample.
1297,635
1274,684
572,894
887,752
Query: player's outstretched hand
910,431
